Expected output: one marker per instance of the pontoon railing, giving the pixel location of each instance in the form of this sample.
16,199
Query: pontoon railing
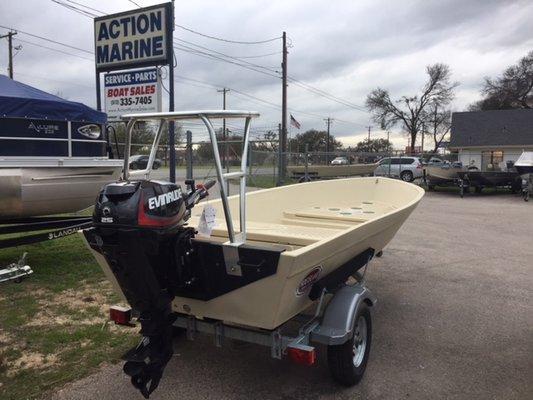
222,177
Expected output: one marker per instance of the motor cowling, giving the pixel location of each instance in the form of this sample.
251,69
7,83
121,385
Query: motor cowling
139,227
149,204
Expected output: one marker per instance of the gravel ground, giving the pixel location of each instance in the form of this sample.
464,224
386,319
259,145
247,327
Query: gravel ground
454,321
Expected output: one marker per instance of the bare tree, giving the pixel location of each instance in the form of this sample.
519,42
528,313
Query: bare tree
410,111
437,124
514,89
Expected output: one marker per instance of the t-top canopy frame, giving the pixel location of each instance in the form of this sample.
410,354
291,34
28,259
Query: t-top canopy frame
206,116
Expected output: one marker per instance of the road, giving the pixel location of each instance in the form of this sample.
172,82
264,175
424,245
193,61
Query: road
454,321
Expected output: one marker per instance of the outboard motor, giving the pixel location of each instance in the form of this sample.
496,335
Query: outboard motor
140,228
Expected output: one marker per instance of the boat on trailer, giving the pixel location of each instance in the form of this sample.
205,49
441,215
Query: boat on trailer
296,249
307,173
441,175
524,166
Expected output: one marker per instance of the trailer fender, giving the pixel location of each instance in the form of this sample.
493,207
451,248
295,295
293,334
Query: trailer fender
338,320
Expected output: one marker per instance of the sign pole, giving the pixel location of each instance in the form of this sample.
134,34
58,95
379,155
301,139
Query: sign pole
171,133
98,94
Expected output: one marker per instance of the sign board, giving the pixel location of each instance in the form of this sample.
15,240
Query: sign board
140,37
135,91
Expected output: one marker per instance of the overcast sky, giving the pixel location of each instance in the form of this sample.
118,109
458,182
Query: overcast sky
345,48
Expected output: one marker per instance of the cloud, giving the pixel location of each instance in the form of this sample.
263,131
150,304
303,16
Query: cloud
344,47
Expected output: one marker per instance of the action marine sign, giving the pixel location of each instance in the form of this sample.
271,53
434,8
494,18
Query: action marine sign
136,91
140,37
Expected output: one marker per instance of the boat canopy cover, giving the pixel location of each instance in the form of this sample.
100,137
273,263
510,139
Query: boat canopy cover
18,100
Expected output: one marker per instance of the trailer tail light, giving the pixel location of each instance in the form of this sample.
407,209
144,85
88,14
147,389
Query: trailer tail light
120,315
302,354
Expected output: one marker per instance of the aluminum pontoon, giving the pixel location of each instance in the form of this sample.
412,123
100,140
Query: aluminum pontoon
53,155
295,249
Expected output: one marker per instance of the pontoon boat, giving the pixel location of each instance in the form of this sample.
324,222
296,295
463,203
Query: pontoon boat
296,247
53,156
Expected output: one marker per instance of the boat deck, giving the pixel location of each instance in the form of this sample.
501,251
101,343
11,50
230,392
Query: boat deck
302,227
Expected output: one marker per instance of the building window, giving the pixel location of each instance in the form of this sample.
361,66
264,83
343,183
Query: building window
491,160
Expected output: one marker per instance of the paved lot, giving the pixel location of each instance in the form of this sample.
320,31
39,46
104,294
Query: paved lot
454,321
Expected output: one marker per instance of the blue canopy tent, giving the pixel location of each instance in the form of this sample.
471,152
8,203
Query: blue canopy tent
34,123
18,100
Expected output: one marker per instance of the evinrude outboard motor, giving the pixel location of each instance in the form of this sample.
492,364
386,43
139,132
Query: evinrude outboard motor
139,227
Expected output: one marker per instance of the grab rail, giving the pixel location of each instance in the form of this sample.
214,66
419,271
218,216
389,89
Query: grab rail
222,177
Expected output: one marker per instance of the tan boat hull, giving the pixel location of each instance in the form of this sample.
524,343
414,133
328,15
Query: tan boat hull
354,215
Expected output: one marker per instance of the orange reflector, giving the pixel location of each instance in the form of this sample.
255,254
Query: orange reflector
120,315
302,354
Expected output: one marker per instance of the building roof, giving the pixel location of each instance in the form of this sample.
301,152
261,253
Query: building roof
492,128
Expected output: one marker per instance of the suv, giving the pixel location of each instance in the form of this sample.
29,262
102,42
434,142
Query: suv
405,168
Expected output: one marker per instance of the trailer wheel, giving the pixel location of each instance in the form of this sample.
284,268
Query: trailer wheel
347,362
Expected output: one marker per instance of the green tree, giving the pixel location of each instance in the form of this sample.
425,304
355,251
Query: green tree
374,146
316,140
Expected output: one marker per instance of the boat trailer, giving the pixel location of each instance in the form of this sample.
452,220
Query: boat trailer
53,227
16,272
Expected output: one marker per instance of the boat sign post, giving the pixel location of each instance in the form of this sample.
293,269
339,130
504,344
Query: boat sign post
137,38
134,38
137,91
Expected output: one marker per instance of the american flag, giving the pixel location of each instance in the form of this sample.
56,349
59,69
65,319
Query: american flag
295,123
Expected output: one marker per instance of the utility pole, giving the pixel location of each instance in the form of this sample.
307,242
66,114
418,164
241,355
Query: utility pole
328,123
369,128
283,107
279,181
9,37
225,160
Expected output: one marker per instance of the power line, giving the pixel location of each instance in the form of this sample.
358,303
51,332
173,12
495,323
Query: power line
52,49
218,38
83,5
327,95
76,9
227,40
226,55
204,54
48,40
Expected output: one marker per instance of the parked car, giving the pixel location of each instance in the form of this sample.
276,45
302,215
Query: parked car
340,161
435,161
405,168
141,162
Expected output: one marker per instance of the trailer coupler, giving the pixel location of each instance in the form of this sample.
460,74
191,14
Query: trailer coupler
146,362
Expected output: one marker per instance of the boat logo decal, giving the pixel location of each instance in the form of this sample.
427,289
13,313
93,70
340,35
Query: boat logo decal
162,199
308,281
92,131
47,129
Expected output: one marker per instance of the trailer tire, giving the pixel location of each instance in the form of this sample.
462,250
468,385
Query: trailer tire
347,362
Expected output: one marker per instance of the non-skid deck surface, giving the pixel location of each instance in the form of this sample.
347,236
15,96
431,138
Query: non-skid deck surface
308,225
